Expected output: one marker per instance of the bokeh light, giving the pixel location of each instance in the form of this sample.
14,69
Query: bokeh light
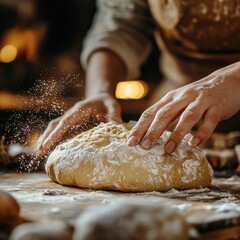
131,90
8,53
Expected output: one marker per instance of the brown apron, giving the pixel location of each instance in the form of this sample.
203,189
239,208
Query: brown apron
196,37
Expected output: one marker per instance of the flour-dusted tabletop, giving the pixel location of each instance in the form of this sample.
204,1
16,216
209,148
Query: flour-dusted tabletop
211,210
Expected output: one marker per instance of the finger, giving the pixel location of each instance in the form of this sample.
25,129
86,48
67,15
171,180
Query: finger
144,122
78,128
162,119
67,123
190,117
46,133
207,127
139,130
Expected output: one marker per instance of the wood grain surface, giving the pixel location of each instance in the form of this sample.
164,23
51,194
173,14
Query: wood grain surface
214,211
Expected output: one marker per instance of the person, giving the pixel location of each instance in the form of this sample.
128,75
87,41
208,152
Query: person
200,51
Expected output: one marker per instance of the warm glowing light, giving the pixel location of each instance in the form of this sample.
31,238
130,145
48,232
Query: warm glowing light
8,53
131,90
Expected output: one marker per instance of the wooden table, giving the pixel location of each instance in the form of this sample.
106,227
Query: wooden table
214,211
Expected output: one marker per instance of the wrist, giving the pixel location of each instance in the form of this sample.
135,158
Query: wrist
98,93
236,74
104,71
100,86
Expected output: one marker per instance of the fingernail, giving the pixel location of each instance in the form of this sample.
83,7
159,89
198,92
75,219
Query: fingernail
170,146
194,141
146,144
132,141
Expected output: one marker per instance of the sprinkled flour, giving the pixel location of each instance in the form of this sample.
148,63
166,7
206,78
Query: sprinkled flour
54,192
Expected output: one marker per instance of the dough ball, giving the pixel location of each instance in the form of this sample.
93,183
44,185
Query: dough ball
9,208
130,221
101,159
54,230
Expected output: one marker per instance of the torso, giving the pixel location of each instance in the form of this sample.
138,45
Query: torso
200,25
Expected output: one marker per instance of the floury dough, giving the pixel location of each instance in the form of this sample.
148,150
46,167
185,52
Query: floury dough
134,221
101,159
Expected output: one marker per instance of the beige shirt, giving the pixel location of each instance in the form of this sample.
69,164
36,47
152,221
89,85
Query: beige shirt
195,37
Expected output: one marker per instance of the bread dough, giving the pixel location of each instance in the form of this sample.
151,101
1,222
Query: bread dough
54,230
131,221
101,159
9,208
9,213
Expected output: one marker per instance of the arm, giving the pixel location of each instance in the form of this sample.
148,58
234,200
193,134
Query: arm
207,101
125,28
108,69
98,106
114,49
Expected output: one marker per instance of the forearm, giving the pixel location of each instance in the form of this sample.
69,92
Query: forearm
234,71
104,70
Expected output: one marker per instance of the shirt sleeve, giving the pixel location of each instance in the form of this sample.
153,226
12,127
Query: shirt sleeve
124,27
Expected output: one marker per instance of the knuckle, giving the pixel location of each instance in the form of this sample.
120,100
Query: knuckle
205,96
153,133
178,135
147,113
181,134
190,116
169,96
151,136
206,93
189,92
164,113
214,117
205,131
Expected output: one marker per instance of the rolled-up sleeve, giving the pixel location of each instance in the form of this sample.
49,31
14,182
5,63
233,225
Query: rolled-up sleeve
124,27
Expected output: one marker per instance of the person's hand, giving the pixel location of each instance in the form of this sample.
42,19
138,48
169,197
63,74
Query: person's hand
206,102
82,116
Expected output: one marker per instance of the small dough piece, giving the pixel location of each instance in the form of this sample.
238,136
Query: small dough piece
54,230
9,208
125,221
101,159
9,213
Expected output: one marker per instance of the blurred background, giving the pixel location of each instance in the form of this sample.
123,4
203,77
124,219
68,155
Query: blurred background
40,71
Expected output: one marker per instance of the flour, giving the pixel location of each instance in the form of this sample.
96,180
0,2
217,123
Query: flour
224,207
190,168
229,199
130,221
55,210
54,192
